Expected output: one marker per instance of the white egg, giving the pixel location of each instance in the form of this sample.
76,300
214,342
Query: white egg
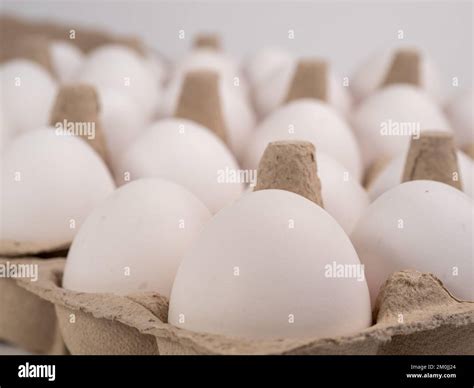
27,96
391,175
50,184
460,113
385,121
262,268
135,239
239,119
421,225
272,92
186,153
309,120
265,62
212,60
343,196
371,74
120,68
122,121
66,60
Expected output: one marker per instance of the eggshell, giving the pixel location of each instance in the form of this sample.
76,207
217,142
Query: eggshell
265,62
238,115
272,93
50,184
421,225
392,174
28,93
250,274
122,122
343,196
120,68
395,104
135,239
66,60
371,74
461,116
186,153
309,120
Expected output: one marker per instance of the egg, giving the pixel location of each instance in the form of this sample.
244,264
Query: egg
120,68
265,62
309,120
272,93
239,119
122,122
459,111
50,183
28,92
371,75
344,198
188,154
66,60
259,270
391,175
135,239
422,225
385,121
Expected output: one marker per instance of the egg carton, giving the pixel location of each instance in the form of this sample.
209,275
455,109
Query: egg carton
26,320
414,314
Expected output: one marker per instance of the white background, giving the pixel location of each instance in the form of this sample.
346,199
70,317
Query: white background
346,32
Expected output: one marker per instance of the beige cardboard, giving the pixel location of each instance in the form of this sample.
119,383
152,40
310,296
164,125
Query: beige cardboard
433,156
79,103
405,68
208,41
101,323
11,248
86,39
433,322
200,101
29,46
290,165
27,320
469,149
310,80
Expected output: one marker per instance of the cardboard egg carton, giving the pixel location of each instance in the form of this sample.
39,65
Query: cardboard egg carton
414,314
26,320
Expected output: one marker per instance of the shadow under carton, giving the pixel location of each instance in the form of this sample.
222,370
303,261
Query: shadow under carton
414,314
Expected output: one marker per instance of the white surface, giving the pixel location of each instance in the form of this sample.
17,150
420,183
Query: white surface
345,32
